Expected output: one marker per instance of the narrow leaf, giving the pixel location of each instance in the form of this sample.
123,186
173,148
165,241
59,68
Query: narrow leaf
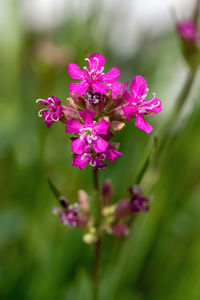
147,161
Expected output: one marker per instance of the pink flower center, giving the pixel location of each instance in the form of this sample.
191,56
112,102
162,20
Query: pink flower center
92,73
88,133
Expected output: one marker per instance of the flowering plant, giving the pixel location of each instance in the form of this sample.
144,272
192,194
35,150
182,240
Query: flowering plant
98,107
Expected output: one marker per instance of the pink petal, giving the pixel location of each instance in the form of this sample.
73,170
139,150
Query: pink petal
102,127
111,76
142,124
47,121
56,100
79,88
138,86
75,72
152,106
129,111
78,145
73,126
87,116
99,87
100,145
80,161
112,154
126,96
96,61
116,87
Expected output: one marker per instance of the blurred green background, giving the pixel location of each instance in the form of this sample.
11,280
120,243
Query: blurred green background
39,258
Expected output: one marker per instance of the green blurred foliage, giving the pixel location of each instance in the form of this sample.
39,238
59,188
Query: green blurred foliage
40,259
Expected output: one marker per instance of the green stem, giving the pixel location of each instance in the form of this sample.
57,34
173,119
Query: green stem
97,201
98,244
96,269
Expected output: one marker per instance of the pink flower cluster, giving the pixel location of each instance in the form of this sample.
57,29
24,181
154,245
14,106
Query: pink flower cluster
187,30
97,108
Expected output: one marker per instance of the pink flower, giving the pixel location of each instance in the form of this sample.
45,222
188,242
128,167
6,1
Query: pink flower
138,106
136,203
96,160
70,214
52,111
93,76
89,133
187,30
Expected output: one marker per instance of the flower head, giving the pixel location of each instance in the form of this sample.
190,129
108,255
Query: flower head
70,214
88,133
187,30
52,111
137,106
92,77
136,203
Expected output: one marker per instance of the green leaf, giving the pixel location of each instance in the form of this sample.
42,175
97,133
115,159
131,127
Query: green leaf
147,161
54,189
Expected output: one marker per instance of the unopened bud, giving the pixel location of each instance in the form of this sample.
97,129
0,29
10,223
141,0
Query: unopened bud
90,237
78,100
120,230
63,201
123,209
117,114
117,125
84,199
107,192
68,113
81,221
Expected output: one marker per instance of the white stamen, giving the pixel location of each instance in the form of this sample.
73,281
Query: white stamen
95,58
93,163
103,156
46,118
84,155
89,62
40,112
52,100
55,120
39,100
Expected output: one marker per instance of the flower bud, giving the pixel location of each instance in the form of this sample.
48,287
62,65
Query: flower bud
81,221
120,230
117,126
123,209
68,113
91,236
117,114
79,100
63,201
107,192
83,199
